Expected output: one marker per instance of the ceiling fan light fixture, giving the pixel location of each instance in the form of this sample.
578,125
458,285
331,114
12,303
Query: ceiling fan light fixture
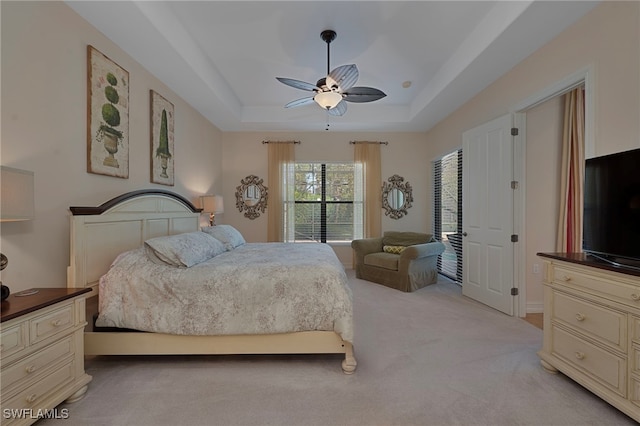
336,87
328,100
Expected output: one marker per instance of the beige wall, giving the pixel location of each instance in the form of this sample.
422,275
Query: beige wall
43,129
544,152
244,154
44,123
608,41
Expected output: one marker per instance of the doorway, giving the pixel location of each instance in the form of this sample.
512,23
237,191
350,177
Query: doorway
524,254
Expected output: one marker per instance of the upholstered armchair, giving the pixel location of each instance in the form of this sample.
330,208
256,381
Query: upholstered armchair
405,261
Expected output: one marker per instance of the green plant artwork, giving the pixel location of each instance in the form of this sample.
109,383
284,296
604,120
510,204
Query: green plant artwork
162,140
110,112
108,127
163,149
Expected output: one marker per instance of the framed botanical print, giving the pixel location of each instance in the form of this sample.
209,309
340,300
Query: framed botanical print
107,116
162,140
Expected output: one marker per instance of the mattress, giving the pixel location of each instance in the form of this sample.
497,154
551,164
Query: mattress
256,288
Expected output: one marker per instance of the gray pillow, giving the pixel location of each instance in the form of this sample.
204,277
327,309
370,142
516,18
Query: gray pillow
227,234
184,250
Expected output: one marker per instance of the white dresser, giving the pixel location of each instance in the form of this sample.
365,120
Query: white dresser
42,354
592,327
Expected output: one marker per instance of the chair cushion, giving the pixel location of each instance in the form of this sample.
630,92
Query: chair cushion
398,238
382,260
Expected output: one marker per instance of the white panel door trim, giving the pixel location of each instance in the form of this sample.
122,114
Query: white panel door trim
584,76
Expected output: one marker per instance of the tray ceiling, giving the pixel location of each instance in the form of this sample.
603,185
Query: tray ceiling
222,57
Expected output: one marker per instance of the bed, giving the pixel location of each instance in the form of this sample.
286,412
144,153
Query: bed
108,240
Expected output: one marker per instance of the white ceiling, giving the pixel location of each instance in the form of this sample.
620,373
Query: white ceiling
222,57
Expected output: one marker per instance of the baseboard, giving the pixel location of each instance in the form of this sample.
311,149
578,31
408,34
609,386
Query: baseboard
535,307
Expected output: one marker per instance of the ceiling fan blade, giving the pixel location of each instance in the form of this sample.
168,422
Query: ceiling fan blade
363,94
299,102
297,84
344,76
339,109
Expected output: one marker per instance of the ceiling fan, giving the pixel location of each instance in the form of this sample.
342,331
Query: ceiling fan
332,91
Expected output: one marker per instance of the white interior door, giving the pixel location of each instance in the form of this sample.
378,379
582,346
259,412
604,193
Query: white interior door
488,252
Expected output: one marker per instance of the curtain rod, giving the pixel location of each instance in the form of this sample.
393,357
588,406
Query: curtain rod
294,142
381,143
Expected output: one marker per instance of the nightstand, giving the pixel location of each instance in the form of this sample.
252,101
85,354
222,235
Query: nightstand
42,353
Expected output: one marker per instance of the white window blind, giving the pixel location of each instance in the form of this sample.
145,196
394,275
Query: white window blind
328,202
447,222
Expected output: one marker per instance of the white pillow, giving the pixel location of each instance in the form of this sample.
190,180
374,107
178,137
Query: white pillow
184,250
227,234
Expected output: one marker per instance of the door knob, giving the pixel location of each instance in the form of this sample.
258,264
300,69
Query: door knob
464,234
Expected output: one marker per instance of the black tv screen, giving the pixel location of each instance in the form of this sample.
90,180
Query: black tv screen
612,207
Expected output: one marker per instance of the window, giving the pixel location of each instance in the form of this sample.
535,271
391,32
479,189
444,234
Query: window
324,202
448,213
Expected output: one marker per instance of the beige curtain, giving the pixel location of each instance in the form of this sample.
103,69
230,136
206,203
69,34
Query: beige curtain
281,189
367,157
572,184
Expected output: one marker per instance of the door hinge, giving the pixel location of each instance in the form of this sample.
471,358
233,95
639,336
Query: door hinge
514,184
514,131
514,291
514,238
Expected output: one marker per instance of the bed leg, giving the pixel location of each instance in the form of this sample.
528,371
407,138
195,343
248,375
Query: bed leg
349,363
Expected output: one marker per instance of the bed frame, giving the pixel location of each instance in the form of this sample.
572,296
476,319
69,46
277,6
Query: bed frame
99,234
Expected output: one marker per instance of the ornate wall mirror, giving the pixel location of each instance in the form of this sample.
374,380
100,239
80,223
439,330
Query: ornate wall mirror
251,196
396,197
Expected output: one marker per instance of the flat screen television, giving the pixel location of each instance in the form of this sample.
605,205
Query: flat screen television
612,208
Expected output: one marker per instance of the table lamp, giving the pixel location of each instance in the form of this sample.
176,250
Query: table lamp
212,204
16,204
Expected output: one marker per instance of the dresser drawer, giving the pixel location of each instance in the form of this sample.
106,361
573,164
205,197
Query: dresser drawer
13,339
635,391
604,324
635,329
35,395
604,366
634,358
49,324
37,364
619,291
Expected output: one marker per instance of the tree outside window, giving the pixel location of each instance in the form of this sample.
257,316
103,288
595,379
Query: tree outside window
324,207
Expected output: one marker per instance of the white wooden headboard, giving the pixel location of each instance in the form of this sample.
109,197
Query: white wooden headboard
99,234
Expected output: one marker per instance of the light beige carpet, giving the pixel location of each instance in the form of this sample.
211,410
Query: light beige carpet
432,357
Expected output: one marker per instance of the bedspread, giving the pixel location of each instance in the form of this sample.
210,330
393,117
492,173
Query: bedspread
257,288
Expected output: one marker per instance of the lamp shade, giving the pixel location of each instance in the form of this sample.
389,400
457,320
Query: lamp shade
17,196
328,100
212,204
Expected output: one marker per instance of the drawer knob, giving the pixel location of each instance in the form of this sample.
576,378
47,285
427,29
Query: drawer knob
30,369
634,296
580,317
56,322
580,355
566,278
32,398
